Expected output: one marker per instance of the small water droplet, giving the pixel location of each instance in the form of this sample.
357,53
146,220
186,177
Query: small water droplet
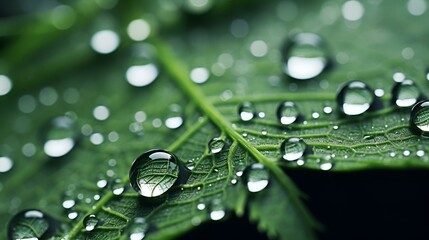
199,75
368,137
352,10
405,93
102,183
72,215
174,122
201,206
379,92
327,109
264,132
90,222
60,137
304,56
154,172
258,48
300,162
419,118
32,224
105,41
117,187
217,210
406,153
96,138
326,164
48,96
246,111
335,127
68,203
315,115
138,29
293,149
420,153
256,177
355,98
101,113
5,85
27,104
216,145
137,229
142,75
6,164
287,113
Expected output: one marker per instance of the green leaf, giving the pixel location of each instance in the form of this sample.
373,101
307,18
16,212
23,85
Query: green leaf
57,72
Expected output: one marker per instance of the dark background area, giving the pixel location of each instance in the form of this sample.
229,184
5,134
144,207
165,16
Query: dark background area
377,204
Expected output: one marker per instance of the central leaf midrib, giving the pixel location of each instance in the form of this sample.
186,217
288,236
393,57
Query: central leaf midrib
179,74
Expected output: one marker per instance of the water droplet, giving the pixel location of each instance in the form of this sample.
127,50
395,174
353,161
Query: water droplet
264,132
72,215
154,172
137,229
287,113
90,222
138,30
96,138
174,122
352,10
201,206
68,203
419,118
101,113
304,56
256,177
6,164
258,48
48,96
416,7
5,85
246,111
142,75
405,93
315,115
216,145
327,109
60,137
355,98
326,164
105,41
32,224
102,183
293,149
117,187
420,153
406,153
217,210
199,75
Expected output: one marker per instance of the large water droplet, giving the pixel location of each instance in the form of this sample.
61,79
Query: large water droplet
304,56
405,93
419,118
287,113
246,111
355,98
293,149
137,229
216,145
154,172
32,224
90,222
60,137
256,177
